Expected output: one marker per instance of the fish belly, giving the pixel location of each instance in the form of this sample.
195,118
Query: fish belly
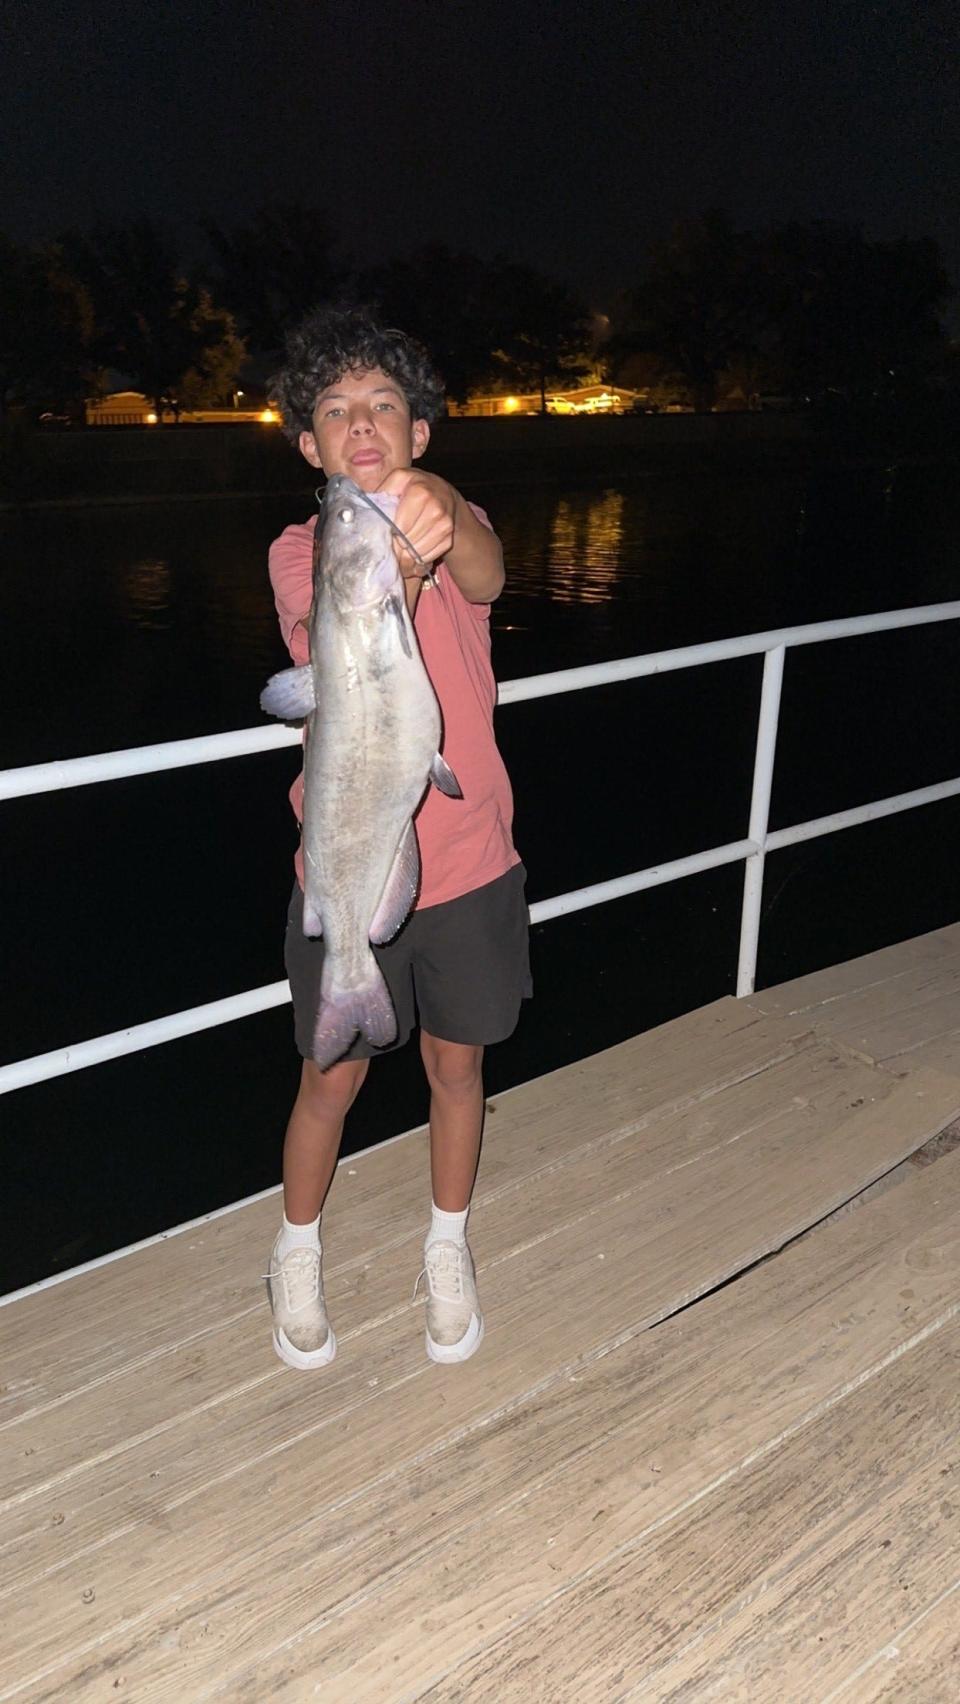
369,748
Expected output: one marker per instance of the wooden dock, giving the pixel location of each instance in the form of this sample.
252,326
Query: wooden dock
710,1448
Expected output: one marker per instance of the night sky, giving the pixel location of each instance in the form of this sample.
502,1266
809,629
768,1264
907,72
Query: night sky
567,135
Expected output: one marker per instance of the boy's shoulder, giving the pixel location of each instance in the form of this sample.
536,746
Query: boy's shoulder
295,532
290,545
290,564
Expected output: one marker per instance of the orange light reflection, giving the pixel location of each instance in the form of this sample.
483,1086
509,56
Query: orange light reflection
585,549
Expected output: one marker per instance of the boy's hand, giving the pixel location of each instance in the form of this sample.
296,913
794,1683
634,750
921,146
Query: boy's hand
426,513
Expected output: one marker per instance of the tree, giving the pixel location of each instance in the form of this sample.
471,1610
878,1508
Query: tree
544,331
806,309
152,321
644,371
851,315
46,354
446,298
212,381
702,305
274,270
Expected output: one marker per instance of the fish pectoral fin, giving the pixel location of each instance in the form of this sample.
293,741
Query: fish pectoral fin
443,777
290,694
312,925
396,609
400,892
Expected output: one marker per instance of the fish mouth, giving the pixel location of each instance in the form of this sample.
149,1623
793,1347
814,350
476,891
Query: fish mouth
339,485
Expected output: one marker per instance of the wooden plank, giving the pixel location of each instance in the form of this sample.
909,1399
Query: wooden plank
779,1583
883,1022
919,1665
941,1054
54,1341
923,1001
47,1523
791,1104
909,1018
795,1102
633,1467
804,996
61,1508
872,1549
646,1422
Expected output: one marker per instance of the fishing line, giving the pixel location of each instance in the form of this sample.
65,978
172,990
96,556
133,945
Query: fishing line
428,577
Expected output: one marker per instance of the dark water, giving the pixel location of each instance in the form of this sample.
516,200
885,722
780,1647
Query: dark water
124,626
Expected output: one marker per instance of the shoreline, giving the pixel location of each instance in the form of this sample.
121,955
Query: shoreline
122,466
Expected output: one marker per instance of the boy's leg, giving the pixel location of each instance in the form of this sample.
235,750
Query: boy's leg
316,1122
471,970
302,1335
455,1074
314,1133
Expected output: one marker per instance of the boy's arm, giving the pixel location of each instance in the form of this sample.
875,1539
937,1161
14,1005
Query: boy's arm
476,560
440,523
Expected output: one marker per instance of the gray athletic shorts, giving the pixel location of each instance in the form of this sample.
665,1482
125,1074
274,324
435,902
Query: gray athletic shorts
459,969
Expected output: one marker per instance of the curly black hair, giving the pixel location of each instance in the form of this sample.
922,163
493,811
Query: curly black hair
333,340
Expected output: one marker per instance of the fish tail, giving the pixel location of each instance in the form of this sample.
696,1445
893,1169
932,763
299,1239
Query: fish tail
346,1012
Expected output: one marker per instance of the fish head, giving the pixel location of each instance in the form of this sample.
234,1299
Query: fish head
355,564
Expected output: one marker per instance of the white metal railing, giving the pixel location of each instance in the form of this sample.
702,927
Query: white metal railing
752,851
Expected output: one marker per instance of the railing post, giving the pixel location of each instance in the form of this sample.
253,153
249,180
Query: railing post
759,818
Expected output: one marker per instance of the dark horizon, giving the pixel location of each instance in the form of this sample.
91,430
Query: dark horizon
488,129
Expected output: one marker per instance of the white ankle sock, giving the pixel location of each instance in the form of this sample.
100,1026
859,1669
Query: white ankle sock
298,1236
447,1227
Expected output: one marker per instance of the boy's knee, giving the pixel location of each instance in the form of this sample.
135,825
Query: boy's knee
332,1092
451,1066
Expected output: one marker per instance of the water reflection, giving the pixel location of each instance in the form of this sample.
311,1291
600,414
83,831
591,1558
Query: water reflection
163,622
585,548
145,593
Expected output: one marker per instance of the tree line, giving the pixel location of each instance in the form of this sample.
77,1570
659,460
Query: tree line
801,310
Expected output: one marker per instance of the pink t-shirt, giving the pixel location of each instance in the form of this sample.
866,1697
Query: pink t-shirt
463,842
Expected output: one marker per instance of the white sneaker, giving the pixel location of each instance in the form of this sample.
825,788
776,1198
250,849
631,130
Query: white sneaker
454,1320
301,1331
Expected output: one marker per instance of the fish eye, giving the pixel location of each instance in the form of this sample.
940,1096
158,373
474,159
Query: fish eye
346,515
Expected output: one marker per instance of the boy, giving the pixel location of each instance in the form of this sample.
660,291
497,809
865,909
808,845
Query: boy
358,399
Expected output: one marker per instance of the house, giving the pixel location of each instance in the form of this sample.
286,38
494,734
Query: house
584,399
132,408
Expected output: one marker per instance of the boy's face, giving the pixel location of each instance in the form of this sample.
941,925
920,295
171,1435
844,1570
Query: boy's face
362,427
